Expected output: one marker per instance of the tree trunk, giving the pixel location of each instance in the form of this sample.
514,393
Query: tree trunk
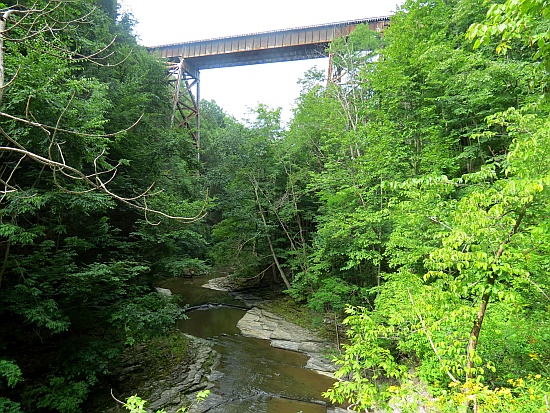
275,259
3,19
476,329
491,280
5,262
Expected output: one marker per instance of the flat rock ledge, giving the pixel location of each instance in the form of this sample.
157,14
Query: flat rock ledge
259,323
230,283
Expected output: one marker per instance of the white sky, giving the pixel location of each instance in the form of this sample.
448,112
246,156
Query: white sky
239,88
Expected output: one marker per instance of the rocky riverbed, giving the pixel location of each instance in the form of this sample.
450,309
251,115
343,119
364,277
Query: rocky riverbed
167,373
174,382
265,325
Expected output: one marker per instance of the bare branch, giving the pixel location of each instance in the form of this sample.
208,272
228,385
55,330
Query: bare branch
37,21
11,80
96,184
118,401
53,128
44,23
7,187
38,14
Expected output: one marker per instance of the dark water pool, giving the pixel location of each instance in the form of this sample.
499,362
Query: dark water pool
256,378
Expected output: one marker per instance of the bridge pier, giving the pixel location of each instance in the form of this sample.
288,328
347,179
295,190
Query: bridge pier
334,72
185,80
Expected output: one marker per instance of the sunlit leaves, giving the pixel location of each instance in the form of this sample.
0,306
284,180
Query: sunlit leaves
516,19
465,227
10,372
367,361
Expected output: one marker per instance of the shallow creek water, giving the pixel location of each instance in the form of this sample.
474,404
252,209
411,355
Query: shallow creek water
256,378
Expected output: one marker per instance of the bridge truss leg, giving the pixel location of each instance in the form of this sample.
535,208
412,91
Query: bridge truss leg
186,98
334,73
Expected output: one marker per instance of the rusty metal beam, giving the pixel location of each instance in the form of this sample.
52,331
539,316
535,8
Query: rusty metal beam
185,81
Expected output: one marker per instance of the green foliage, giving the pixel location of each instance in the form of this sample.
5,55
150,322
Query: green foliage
428,173
367,366
249,191
412,185
152,314
176,267
77,267
482,252
174,249
332,295
515,20
522,395
61,395
9,406
10,372
136,404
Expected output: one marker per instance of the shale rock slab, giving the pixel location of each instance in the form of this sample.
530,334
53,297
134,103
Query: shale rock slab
259,323
170,385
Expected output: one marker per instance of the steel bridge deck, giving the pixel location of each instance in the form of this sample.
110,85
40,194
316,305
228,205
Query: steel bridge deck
273,46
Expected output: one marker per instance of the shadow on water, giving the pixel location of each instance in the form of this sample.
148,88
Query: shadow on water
255,376
212,322
194,294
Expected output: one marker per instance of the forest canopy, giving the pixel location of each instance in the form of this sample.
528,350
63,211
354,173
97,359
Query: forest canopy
411,197
83,120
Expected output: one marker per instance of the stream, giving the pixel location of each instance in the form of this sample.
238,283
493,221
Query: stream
254,377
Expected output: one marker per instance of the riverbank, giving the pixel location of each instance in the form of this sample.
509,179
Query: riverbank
166,371
170,379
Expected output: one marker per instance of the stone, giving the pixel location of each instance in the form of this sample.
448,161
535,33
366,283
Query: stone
214,400
230,283
164,291
338,410
259,323
182,378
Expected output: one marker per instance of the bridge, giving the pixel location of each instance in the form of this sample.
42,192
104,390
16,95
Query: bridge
187,59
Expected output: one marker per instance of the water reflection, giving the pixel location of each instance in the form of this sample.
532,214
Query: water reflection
257,378
211,322
254,367
194,294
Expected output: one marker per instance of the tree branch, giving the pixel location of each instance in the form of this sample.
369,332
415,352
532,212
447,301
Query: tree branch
95,183
56,129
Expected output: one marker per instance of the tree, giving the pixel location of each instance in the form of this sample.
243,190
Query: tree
491,239
459,258
515,24
22,28
249,199
71,277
